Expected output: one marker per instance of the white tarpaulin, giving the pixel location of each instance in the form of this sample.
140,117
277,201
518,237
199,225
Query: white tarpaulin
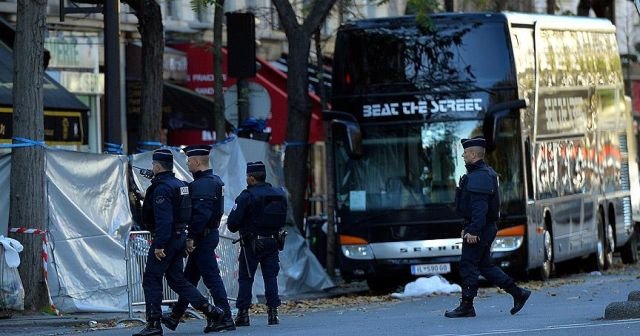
89,218
5,186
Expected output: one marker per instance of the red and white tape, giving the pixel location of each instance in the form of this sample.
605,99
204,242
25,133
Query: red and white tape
25,230
45,259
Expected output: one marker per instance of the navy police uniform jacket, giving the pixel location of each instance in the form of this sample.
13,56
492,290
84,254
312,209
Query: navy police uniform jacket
166,208
207,202
250,216
478,198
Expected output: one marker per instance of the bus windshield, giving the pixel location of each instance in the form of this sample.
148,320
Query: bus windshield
409,166
454,55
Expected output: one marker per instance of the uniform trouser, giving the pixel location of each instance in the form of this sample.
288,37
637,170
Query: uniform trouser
170,266
476,260
202,263
267,256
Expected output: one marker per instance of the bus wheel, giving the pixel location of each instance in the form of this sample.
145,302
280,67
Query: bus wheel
547,265
598,259
610,246
629,252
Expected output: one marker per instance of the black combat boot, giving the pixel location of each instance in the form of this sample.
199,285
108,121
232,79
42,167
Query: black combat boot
242,319
465,309
273,315
214,315
170,320
153,328
225,325
520,297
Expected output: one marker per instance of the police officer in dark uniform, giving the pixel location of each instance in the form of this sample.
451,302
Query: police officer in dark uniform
166,212
207,207
259,213
478,202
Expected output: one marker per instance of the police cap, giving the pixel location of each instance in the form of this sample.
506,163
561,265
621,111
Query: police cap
474,142
162,154
255,167
197,150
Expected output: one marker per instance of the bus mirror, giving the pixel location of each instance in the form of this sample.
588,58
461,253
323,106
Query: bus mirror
349,133
495,113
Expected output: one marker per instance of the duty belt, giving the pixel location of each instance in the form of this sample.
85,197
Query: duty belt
273,236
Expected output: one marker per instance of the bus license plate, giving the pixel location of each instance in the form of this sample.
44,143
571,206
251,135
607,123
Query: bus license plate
430,269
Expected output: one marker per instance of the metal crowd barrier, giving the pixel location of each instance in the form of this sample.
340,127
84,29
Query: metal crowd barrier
227,255
136,251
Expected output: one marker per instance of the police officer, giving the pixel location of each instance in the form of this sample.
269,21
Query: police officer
166,212
259,213
478,202
207,203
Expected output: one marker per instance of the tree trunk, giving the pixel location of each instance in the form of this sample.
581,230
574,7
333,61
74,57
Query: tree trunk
551,7
602,8
449,5
27,200
329,199
219,105
320,73
584,6
152,33
296,154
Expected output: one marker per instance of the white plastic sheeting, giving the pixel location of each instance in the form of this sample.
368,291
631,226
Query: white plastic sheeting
427,286
226,160
88,216
89,219
5,186
12,249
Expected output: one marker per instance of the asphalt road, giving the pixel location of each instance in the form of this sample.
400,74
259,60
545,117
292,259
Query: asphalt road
573,305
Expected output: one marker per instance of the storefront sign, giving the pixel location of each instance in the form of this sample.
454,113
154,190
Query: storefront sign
82,82
60,127
73,52
174,67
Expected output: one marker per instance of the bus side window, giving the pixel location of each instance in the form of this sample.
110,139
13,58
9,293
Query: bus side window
527,159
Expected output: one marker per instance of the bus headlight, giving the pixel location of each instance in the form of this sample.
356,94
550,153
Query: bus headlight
506,244
361,252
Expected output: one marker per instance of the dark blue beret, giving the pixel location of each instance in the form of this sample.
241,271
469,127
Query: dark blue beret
474,142
255,167
163,155
197,150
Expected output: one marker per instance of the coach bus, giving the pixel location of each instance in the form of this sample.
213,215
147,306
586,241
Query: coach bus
547,94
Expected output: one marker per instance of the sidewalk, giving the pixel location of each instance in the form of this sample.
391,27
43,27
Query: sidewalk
82,320
102,320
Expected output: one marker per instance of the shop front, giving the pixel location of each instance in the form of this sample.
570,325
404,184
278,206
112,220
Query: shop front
65,117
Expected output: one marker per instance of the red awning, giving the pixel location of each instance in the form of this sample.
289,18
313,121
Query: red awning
200,71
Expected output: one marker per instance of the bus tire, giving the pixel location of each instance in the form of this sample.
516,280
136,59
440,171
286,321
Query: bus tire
598,262
610,246
629,252
546,269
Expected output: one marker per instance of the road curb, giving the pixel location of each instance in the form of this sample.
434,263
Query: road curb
622,310
634,296
54,321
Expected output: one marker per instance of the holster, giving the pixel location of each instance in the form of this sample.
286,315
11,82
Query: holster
280,238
